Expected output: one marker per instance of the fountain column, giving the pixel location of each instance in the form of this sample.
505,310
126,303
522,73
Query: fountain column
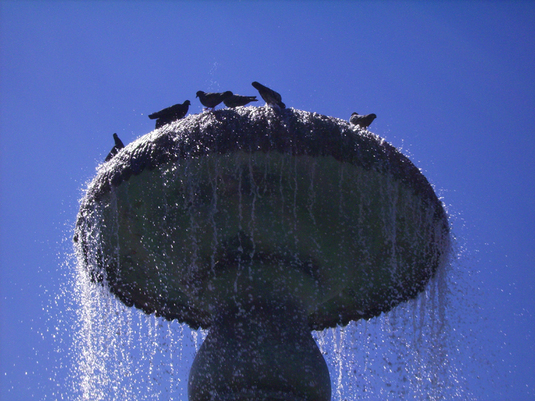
259,350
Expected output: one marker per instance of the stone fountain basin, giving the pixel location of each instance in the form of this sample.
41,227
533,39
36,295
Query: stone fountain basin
227,206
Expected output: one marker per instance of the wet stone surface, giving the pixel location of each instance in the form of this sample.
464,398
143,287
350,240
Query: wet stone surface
246,203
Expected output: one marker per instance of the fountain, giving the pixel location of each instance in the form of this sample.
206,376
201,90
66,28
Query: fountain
261,226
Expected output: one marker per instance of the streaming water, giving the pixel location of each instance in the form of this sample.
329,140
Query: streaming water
407,354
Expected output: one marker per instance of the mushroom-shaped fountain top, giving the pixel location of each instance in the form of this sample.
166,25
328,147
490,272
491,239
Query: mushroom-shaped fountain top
237,208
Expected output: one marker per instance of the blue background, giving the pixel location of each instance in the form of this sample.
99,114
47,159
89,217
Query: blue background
452,84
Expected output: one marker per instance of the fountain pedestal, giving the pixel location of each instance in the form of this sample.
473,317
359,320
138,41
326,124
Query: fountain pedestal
259,350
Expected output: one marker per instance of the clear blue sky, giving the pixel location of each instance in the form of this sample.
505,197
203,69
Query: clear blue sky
452,84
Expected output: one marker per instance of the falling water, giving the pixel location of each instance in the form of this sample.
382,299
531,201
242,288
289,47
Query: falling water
126,354
402,355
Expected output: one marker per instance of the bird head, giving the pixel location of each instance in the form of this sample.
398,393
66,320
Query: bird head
187,103
199,93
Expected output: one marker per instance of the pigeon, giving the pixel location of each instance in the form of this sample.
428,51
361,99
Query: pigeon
118,145
170,114
212,99
271,97
363,121
239,100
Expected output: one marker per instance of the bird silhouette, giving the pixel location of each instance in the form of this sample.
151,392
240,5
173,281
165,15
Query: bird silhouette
239,100
271,97
170,114
212,99
363,121
118,146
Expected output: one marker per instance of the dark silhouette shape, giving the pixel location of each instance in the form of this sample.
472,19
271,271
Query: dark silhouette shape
222,195
212,99
170,114
363,121
118,146
239,100
271,97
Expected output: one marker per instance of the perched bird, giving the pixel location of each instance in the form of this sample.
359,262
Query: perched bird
271,97
363,121
212,99
239,100
170,114
118,145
